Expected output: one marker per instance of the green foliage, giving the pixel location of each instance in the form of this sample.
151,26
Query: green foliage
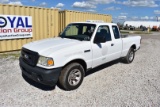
14,55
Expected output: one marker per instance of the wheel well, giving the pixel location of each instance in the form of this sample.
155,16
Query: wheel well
80,61
133,46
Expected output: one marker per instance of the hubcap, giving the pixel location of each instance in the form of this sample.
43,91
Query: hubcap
74,77
131,56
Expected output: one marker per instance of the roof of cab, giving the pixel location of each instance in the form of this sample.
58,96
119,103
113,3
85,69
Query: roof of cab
97,23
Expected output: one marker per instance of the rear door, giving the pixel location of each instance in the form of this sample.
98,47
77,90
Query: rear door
116,45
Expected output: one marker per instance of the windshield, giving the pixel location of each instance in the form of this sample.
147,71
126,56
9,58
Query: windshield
79,31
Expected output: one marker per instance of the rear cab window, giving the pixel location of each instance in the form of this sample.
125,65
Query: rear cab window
116,32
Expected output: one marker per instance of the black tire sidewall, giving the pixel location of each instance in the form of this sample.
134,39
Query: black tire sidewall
131,50
74,66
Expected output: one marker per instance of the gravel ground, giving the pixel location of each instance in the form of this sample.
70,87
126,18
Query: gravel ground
113,85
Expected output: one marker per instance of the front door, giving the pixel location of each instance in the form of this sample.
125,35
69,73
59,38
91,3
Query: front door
101,51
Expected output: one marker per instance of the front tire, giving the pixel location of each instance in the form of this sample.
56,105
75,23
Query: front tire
71,76
130,56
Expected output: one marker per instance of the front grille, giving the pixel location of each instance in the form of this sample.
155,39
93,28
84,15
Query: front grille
29,57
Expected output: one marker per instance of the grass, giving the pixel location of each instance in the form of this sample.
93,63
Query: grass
142,32
14,55
134,32
124,32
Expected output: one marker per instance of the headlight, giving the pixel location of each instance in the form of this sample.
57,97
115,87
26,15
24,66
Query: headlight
45,61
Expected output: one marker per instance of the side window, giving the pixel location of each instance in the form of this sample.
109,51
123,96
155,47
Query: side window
116,32
104,30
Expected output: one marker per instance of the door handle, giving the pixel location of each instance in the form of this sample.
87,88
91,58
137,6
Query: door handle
87,51
112,44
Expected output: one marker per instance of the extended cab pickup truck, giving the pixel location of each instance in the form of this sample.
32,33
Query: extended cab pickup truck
80,47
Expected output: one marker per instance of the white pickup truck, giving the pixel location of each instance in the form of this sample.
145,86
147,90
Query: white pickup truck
80,47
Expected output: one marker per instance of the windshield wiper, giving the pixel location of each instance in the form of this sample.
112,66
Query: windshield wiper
61,36
72,37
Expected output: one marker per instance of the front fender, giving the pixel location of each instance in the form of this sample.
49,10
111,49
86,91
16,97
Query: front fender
71,58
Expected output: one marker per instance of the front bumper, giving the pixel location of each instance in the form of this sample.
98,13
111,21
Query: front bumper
40,75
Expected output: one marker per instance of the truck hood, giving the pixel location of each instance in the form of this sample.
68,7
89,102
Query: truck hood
51,45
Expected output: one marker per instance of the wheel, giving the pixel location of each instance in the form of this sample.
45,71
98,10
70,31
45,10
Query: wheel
130,56
71,76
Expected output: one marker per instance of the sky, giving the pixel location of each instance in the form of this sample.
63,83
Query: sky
121,10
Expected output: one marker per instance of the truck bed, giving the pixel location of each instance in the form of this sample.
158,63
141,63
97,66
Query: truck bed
128,41
124,36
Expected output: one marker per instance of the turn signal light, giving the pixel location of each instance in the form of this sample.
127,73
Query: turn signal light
50,62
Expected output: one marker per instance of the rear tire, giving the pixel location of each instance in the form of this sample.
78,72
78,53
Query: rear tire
71,76
130,56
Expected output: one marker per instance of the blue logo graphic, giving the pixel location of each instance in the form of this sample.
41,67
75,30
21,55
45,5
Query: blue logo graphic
1,22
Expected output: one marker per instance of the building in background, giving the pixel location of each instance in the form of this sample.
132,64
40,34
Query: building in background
137,24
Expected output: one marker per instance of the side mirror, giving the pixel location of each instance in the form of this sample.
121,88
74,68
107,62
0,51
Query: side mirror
100,39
